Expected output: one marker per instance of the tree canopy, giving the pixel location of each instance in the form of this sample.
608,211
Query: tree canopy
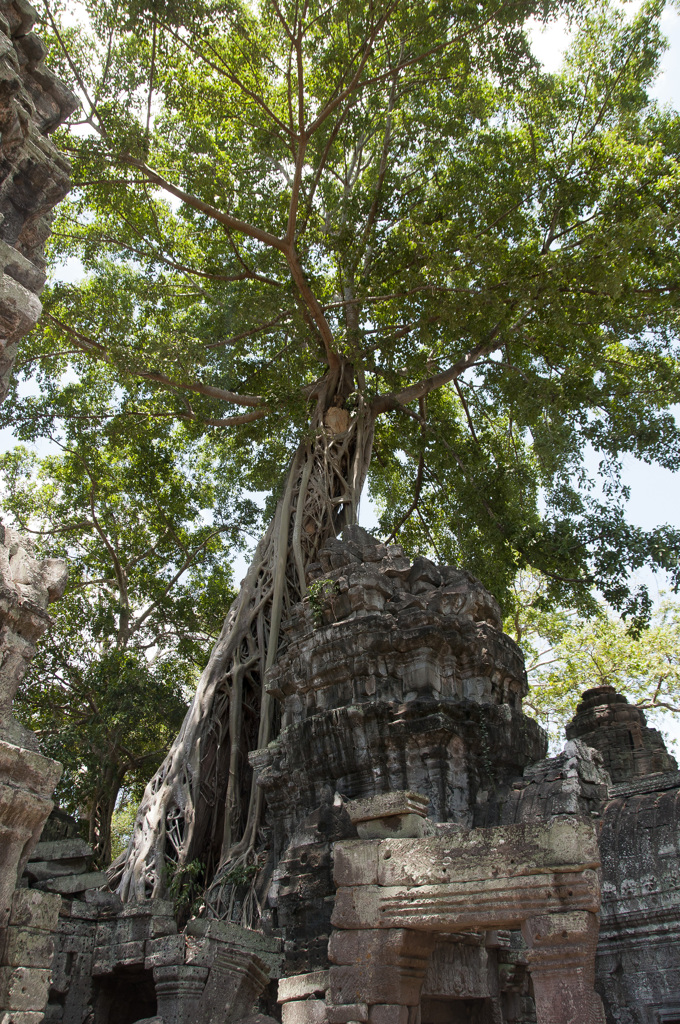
149,579
264,191
566,654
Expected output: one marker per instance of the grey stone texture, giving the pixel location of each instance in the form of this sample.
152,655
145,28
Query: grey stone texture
638,953
629,747
27,778
424,861
34,176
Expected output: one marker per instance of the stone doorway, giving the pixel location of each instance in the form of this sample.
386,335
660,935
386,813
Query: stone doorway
126,996
457,1011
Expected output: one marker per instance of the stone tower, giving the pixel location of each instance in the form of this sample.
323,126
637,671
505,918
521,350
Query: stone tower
604,719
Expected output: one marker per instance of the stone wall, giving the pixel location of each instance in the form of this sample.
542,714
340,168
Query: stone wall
638,956
33,178
421,860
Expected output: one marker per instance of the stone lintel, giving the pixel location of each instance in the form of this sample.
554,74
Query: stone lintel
564,845
400,814
462,906
383,805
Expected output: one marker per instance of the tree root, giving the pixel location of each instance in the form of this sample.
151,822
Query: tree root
202,803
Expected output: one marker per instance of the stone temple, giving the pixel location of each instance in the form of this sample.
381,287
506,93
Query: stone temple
424,861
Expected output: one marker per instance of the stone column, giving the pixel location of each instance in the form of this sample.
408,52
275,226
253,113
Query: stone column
178,992
237,977
27,956
561,959
379,972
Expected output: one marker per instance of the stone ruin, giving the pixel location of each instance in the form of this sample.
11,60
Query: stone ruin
34,176
423,860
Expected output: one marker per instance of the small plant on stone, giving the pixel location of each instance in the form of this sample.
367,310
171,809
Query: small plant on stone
186,886
318,593
242,874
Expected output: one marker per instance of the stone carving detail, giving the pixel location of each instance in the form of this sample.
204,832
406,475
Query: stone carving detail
638,953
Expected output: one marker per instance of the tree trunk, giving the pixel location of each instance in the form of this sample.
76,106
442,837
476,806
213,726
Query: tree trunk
201,803
101,814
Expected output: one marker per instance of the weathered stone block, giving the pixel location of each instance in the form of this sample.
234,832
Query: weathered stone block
384,805
300,986
74,883
81,943
179,989
161,926
28,947
33,909
379,946
24,988
81,910
163,951
62,849
356,863
383,1014
398,826
147,908
304,1011
346,1014
106,959
68,967
21,1016
499,902
41,870
375,983
567,844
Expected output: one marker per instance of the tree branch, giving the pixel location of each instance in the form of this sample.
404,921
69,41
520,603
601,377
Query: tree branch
87,344
424,387
418,486
233,223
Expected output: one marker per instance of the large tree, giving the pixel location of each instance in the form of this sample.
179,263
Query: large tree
567,653
325,231
135,515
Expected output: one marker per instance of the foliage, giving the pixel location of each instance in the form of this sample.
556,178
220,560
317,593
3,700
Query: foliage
186,886
319,592
146,596
265,192
122,824
567,654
